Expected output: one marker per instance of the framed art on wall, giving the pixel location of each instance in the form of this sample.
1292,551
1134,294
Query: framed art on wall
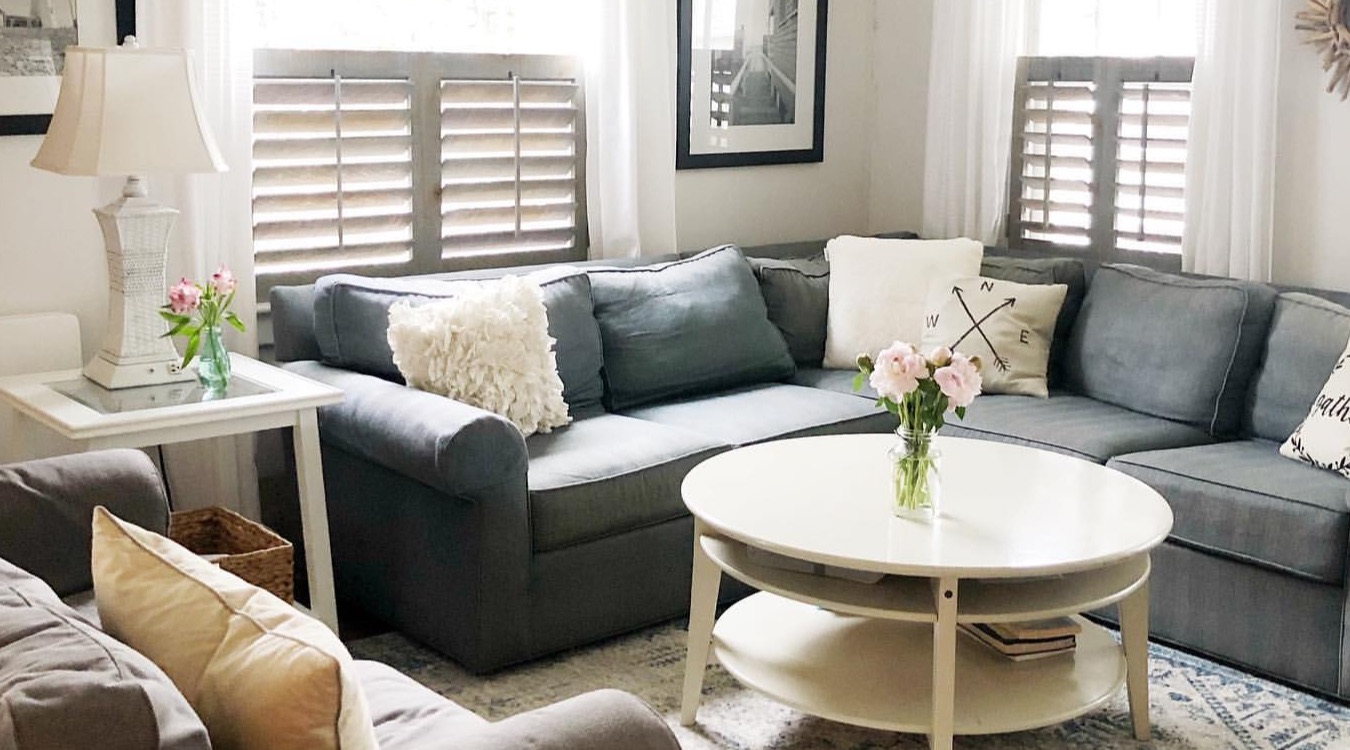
751,83
33,38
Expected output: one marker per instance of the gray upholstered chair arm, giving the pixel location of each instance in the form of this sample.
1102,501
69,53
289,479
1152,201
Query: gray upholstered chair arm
443,443
47,506
599,720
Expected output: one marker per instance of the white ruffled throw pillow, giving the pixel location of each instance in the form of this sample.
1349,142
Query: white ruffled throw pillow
488,347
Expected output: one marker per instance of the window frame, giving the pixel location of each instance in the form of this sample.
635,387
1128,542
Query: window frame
425,71
1109,76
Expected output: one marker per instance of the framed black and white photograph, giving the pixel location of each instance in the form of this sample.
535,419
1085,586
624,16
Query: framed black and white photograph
34,35
751,86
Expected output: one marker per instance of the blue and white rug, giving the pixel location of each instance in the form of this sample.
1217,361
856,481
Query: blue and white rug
1195,704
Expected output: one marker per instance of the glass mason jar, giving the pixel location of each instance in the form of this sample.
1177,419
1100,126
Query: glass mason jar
915,479
213,361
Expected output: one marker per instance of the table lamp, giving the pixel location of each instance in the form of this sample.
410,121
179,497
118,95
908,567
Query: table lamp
131,112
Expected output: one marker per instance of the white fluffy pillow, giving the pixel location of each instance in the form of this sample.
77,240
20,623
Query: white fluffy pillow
488,347
1323,439
878,288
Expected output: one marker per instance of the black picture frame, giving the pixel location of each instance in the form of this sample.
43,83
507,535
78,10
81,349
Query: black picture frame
36,123
740,156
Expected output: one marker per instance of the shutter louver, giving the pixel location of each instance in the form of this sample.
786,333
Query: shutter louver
1053,187
509,166
1151,166
332,174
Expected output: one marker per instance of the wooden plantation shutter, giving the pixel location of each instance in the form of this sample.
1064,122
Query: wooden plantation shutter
332,174
1151,161
394,163
1099,154
1053,154
510,173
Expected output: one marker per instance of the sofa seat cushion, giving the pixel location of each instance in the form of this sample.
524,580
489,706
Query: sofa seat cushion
607,474
755,414
839,381
58,671
1243,500
406,714
1074,425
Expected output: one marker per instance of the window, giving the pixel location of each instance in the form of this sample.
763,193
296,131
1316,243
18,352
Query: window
396,163
1099,143
414,137
1099,153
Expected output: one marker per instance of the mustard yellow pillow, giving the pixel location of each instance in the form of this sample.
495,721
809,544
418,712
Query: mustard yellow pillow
259,673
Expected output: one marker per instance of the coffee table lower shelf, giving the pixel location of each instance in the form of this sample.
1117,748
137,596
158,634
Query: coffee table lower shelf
879,673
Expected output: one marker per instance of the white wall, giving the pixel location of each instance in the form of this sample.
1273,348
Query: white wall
51,252
1312,177
780,203
903,41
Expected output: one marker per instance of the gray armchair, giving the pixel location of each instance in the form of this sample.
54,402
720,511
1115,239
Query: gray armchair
45,512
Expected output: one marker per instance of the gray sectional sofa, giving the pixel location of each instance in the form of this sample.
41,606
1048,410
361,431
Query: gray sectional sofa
66,684
494,549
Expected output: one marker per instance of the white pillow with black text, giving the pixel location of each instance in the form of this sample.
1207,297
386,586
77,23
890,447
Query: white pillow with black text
1323,439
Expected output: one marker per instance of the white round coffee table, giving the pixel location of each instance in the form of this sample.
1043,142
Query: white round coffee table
1022,534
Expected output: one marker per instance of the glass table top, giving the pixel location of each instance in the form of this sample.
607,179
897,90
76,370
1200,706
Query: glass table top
126,400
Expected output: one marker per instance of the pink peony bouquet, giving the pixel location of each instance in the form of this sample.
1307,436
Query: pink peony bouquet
920,389
196,308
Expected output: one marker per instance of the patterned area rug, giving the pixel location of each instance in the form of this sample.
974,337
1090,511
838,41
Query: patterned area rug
1195,704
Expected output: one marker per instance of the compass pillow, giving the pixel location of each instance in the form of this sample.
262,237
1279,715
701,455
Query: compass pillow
1008,325
1323,439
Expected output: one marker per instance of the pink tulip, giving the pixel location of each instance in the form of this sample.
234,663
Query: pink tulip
960,381
223,281
897,371
184,297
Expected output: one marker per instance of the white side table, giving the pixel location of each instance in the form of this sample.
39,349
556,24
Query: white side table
259,397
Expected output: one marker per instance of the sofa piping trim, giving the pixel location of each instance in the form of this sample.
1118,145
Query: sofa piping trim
1034,441
1302,575
669,264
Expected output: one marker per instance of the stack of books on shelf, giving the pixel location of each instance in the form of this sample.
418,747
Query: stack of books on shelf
1021,641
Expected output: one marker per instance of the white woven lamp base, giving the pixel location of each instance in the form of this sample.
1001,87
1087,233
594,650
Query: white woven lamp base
134,352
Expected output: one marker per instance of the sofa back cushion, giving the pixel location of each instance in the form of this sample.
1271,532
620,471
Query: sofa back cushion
1176,347
1066,271
1307,336
797,294
57,496
65,683
351,322
686,327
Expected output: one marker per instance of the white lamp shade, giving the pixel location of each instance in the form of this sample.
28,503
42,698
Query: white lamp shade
128,111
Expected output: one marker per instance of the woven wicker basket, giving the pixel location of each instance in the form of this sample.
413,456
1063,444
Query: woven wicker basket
245,548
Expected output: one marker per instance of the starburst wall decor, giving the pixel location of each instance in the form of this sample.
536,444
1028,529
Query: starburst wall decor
1326,26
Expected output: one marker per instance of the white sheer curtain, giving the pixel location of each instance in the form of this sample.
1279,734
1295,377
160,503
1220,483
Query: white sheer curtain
630,128
970,98
215,225
1230,160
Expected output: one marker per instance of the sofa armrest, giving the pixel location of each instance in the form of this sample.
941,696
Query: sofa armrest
445,444
599,720
47,506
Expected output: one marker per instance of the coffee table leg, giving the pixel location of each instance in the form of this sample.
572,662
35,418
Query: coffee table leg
944,664
1134,638
702,610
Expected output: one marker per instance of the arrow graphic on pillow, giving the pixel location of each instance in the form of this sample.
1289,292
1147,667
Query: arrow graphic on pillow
999,361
